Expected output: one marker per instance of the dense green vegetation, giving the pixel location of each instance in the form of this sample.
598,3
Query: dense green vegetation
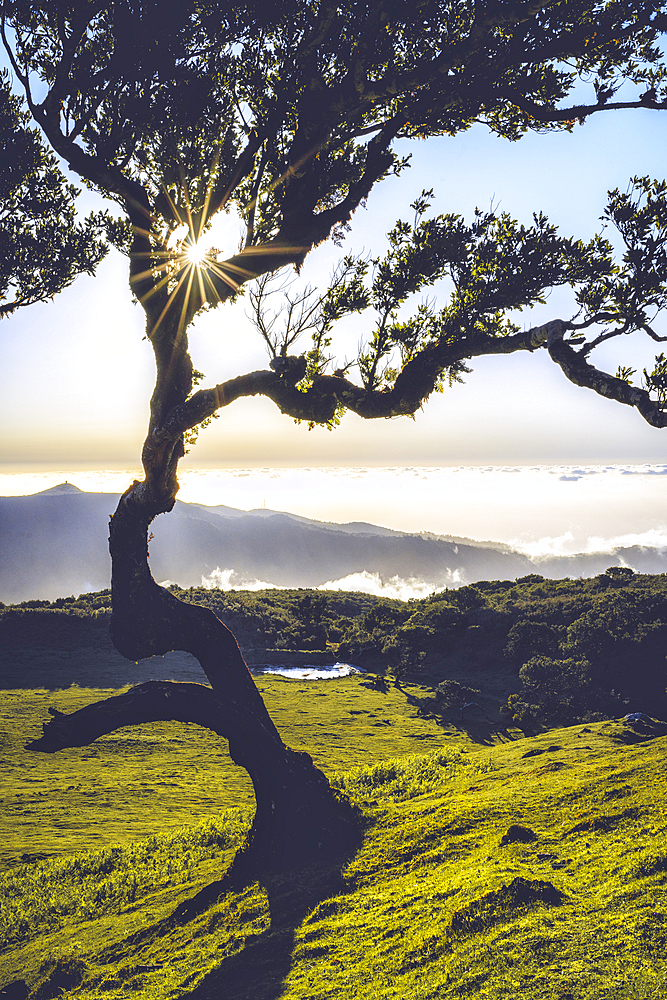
527,867
533,869
565,650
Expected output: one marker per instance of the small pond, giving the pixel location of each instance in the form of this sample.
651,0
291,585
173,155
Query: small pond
308,672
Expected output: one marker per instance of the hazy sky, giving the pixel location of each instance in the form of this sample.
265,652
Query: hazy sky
76,376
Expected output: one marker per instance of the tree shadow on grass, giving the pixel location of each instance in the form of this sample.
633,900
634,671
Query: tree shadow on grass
258,972
469,718
480,731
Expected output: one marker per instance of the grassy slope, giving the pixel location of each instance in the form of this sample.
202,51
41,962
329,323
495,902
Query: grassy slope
420,912
138,780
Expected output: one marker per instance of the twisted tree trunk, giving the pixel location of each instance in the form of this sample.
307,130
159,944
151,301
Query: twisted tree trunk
298,816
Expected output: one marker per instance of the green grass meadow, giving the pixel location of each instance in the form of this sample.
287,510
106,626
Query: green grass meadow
436,903
161,776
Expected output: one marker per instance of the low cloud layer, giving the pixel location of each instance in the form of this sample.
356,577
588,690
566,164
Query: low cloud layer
364,583
395,587
567,545
54,543
229,579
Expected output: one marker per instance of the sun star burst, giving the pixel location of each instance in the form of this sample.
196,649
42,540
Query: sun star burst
196,254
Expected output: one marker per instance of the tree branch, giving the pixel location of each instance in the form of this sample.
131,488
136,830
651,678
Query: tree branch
328,393
297,814
577,370
378,161
23,77
155,701
542,114
108,178
224,188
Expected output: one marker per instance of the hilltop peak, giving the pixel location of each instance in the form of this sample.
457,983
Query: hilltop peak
61,488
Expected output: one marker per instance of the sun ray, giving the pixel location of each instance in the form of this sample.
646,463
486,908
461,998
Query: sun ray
242,271
212,294
157,287
270,248
171,298
144,232
201,272
150,271
151,253
225,277
209,190
186,299
188,206
172,206
184,253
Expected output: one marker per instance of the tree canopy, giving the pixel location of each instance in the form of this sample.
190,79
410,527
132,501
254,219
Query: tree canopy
289,117
42,248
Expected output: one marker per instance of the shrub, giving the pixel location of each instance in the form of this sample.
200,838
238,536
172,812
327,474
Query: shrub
531,638
452,694
548,678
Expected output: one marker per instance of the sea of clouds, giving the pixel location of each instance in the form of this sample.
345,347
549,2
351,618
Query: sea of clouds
364,583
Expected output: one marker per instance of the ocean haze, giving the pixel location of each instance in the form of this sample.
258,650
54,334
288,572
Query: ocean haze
54,544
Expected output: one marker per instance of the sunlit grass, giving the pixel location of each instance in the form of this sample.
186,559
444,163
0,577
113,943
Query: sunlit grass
129,784
431,906
78,888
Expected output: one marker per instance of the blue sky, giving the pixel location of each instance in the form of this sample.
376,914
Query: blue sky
76,376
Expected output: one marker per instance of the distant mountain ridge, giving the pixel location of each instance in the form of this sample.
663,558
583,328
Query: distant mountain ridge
53,544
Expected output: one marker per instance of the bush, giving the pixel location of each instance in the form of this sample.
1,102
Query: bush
521,713
530,638
453,694
548,678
